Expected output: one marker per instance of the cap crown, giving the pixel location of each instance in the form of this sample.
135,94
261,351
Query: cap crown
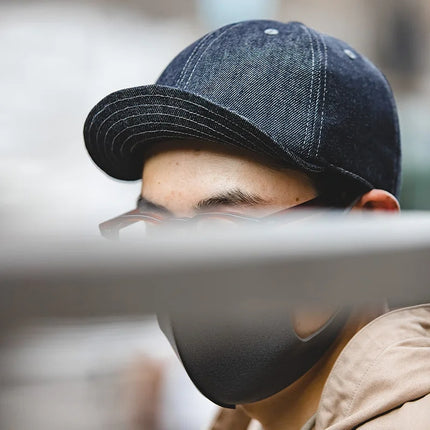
312,94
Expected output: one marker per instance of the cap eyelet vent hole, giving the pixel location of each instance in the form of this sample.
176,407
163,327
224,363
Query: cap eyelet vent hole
271,31
350,54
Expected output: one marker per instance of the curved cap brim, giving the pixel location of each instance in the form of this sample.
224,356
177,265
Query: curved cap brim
120,127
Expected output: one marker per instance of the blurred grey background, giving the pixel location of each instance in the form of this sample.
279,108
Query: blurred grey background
59,58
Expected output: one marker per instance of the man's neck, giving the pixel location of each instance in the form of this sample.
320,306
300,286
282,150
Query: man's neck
292,407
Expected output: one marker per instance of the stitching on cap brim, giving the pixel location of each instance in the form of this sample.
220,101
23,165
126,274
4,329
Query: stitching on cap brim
121,125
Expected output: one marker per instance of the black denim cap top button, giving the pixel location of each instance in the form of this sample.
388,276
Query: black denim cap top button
284,90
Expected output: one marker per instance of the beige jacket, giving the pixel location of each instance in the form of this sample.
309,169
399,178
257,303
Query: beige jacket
380,381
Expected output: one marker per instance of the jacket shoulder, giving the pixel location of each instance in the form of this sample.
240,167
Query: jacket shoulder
411,415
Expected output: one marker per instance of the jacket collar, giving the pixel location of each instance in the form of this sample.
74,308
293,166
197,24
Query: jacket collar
386,364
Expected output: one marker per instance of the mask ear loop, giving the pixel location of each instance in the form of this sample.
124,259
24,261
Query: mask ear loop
341,312
338,318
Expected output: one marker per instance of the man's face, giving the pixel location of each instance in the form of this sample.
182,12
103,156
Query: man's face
183,178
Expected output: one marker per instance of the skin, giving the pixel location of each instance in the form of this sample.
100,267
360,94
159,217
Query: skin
183,177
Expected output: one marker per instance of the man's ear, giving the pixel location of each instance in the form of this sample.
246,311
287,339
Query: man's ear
379,200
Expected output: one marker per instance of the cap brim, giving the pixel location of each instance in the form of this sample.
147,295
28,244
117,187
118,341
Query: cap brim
119,128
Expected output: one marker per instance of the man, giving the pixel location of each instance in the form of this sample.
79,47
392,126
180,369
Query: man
251,120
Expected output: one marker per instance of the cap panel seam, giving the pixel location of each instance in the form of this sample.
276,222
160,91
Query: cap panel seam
324,95
207,47
311,88
196,48
317,101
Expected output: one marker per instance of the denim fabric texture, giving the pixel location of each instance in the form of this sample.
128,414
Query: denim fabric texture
284,90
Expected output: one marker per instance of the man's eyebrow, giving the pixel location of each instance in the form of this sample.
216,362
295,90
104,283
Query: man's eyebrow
234,197
145,204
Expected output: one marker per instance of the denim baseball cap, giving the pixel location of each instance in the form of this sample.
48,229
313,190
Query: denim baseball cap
283,90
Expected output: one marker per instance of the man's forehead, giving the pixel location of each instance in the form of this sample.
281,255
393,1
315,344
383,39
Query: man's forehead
186,176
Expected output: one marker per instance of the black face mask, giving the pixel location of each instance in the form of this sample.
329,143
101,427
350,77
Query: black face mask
242,360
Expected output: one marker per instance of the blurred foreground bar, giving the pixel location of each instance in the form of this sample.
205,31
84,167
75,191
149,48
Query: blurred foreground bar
351,259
